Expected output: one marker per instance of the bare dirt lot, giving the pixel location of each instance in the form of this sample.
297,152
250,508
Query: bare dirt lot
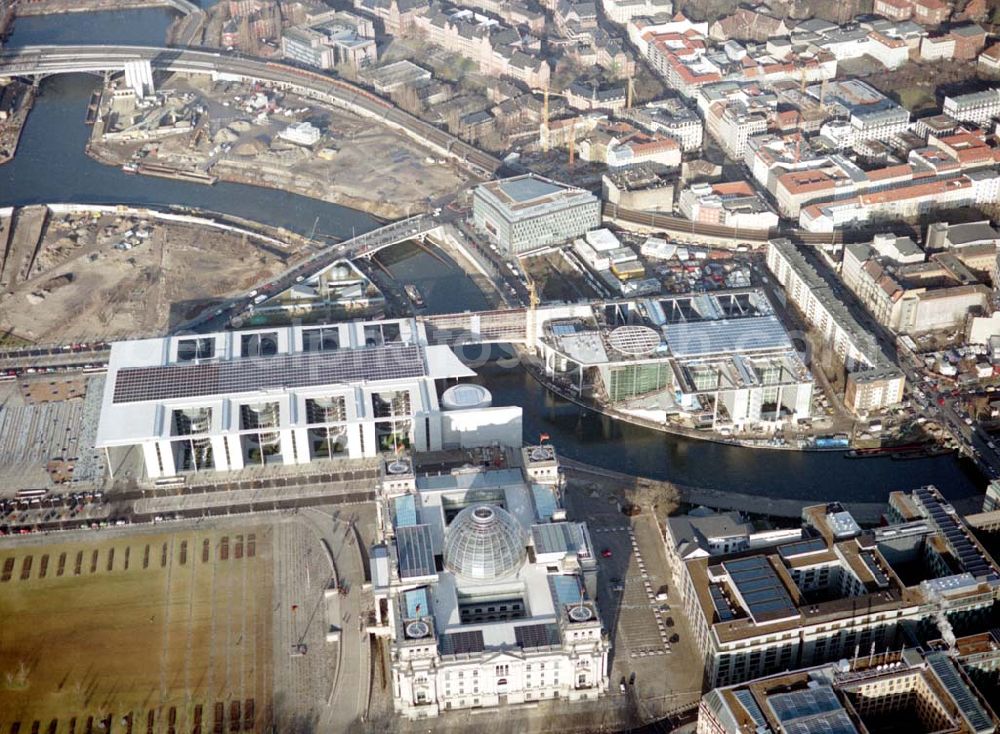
74,275
355,162
146,633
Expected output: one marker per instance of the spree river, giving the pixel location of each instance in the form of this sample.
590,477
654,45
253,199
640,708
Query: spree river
51,166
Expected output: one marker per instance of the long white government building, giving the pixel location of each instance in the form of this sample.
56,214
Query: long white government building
292,395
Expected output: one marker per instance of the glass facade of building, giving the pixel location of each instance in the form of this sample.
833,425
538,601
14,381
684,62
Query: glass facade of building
633,380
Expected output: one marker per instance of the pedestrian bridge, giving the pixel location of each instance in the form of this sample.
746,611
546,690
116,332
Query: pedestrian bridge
366,245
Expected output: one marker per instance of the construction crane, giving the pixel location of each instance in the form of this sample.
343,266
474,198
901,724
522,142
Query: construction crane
545,124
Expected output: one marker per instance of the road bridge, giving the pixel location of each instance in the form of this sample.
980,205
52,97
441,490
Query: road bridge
184,6
506,326
42,61
721,236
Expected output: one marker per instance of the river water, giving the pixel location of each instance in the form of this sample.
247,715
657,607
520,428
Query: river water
51,166
145,27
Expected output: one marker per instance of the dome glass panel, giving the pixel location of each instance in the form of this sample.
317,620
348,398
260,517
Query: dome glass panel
484,542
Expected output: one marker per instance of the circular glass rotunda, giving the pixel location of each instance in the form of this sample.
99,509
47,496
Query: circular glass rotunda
484,543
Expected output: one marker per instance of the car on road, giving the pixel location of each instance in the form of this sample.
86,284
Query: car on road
606,553
300,278
252,293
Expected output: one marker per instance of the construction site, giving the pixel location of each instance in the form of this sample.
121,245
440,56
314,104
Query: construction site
195,129
113,273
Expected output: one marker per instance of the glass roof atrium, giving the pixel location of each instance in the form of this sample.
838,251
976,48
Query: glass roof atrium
483,543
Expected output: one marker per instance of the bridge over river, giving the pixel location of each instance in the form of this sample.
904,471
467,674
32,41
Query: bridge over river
42,61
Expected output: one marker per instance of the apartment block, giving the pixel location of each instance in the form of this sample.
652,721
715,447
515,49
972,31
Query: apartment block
874,382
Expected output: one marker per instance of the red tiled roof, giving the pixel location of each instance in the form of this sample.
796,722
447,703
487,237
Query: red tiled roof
881,174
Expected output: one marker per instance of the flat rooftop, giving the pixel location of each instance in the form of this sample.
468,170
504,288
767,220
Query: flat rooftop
530,192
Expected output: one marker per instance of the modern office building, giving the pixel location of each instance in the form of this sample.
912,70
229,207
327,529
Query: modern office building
873,380
332,39
914,689
484,590
719,361
528,212
290,395
840,592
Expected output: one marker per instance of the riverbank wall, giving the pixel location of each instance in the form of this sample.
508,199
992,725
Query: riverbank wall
275,236
11,129
229,172
868,513
529,364
62,7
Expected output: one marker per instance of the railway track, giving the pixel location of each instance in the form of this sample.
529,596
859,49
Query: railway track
681,226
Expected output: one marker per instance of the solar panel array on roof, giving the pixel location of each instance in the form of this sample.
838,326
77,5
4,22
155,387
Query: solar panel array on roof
801,548
406,510
558,537
722,609
748,702
835,722
461,643
803,703
563,329
416,555
388,362
536,635
881,579
759,587
970,557
726,336
968,704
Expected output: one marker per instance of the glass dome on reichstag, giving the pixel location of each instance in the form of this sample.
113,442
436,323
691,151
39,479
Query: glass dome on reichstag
484,542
